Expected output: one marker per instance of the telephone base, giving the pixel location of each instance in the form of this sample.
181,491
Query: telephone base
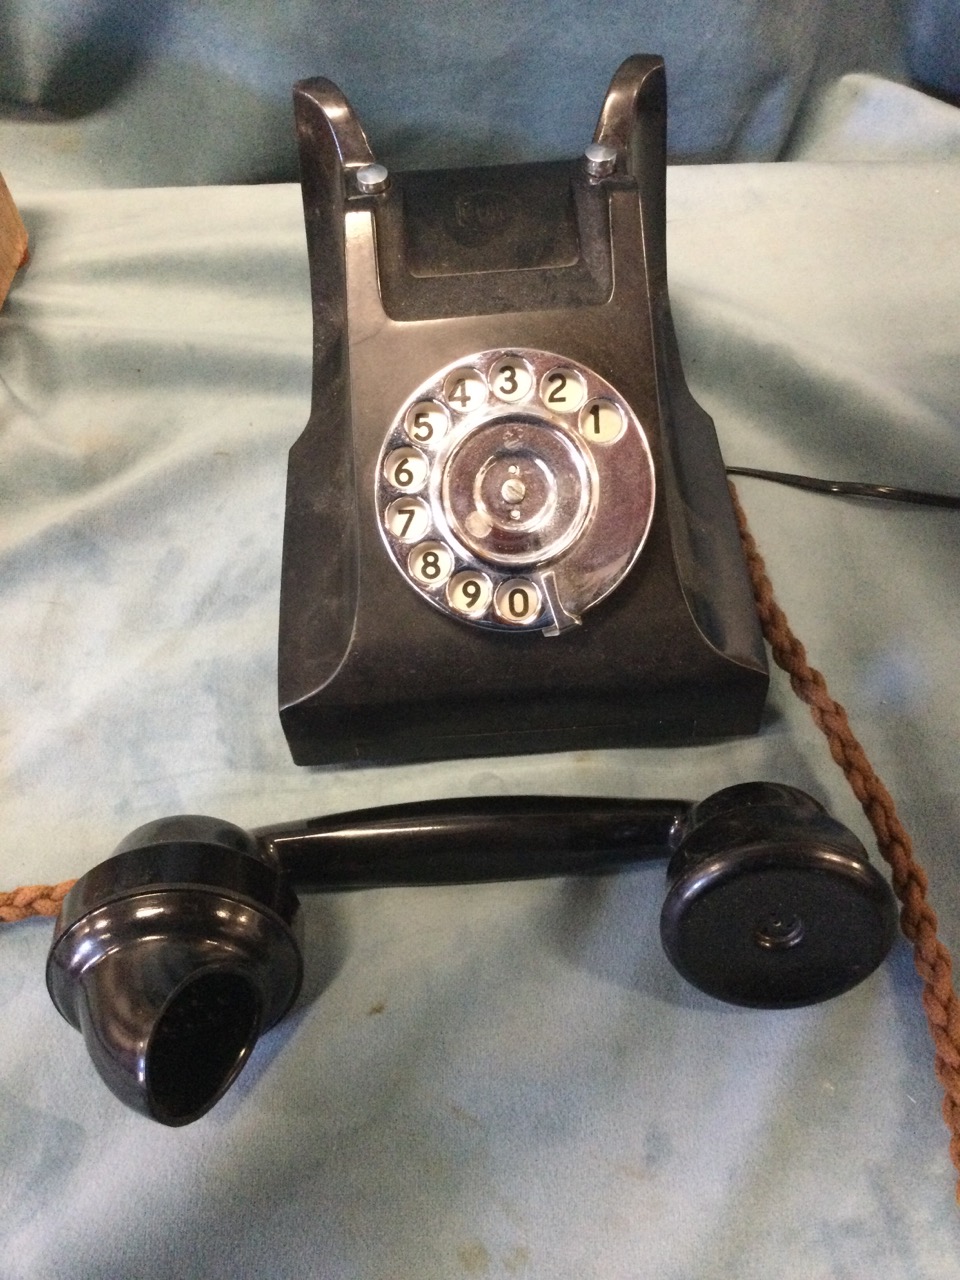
508,526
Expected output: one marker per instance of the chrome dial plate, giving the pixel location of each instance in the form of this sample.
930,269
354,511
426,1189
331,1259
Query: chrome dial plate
514,490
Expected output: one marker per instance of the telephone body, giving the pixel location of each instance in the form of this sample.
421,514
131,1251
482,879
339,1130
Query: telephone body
508,527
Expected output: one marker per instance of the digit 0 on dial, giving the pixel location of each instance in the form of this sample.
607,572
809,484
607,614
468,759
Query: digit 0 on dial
515,490
518,601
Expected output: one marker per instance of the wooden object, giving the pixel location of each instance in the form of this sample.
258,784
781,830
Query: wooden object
14,249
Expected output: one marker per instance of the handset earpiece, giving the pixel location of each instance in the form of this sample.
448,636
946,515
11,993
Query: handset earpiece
175,954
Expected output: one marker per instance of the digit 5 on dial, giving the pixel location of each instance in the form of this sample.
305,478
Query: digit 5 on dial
508,526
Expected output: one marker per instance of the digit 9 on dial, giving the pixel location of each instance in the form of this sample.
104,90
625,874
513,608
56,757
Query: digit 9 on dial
515,490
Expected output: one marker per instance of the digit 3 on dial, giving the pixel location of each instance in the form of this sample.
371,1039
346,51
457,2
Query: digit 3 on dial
515,490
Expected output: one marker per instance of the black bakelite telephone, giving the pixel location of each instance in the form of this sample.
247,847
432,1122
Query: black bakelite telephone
508,530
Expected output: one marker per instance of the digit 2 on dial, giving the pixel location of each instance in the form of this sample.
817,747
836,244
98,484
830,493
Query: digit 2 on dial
515,490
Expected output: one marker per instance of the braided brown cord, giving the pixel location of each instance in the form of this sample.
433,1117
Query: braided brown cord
33,900
917,918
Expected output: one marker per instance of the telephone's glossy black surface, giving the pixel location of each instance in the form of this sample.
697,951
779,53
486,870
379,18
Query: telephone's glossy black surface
603,601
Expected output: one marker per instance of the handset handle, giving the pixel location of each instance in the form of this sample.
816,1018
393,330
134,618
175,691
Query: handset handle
473,839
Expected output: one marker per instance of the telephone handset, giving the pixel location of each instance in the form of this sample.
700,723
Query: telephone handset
177,952
501,450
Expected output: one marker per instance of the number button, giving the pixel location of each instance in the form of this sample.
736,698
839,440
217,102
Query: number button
406,469
511,380
469,593
562,390
517,600
426,422
601,421
465,390
408,519
430,563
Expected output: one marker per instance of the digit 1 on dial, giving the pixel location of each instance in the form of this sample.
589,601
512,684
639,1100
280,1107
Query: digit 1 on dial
601,421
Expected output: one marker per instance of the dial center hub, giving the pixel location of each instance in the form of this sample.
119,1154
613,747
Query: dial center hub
513,490
516,490
507,480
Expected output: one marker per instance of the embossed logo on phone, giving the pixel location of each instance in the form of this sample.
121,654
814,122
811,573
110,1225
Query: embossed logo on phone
479,215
